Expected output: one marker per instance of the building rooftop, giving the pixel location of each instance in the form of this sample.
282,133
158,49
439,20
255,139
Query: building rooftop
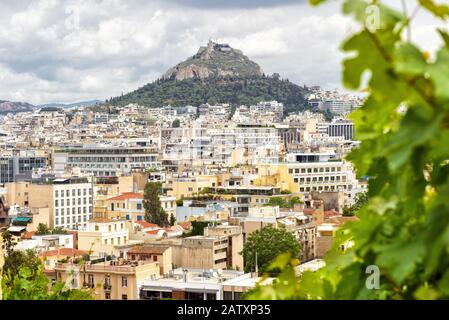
68,252
127,196
146,249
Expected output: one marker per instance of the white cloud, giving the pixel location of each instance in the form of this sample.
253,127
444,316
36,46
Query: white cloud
64,51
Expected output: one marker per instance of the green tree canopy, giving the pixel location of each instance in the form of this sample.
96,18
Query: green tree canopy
42,230
34,285
360,200
152,205
268,243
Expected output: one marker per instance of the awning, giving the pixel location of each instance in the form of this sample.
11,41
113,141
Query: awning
23,219
16,229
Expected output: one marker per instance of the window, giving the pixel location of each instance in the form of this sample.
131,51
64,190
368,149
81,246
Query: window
139,206
124,297
56,193
107,296
227,295
56,203
97,228
155,257
124,282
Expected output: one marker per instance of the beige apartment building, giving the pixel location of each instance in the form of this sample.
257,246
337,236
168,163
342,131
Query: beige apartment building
235,243
69,200
207,252
110,280
129,206
159,254
102,235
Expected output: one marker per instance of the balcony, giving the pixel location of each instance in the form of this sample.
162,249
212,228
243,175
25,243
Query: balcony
107,287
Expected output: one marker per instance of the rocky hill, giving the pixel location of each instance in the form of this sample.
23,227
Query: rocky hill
15,107
215,60
216,74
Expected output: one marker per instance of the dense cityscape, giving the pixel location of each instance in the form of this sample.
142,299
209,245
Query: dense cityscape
147,160
75,182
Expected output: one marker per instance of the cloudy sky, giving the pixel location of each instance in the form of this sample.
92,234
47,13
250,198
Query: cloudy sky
74,50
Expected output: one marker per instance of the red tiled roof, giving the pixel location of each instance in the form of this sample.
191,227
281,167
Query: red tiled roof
28,235
309,212
185,225
126,196
145,224
154,231
68,252
340,220
148,250
331,213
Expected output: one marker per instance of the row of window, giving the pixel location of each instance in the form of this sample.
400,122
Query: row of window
113,242
74,192
314,170
63,203
122,226
111,159
74,219
74,211
321,179
326,188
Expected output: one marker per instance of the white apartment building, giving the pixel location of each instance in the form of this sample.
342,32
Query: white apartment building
106,161
318,172
73,202
246,144
340,106
69,199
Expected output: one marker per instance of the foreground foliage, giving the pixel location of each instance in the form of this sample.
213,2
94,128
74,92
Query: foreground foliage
34,285
404,129
24,279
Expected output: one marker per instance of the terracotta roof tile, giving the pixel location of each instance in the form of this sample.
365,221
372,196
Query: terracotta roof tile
145,224
126,196
148,250
68,252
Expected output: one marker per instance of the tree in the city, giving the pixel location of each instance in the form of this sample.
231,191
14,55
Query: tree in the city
154,213
264,245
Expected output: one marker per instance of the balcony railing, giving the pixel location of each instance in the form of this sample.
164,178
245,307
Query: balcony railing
107,287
